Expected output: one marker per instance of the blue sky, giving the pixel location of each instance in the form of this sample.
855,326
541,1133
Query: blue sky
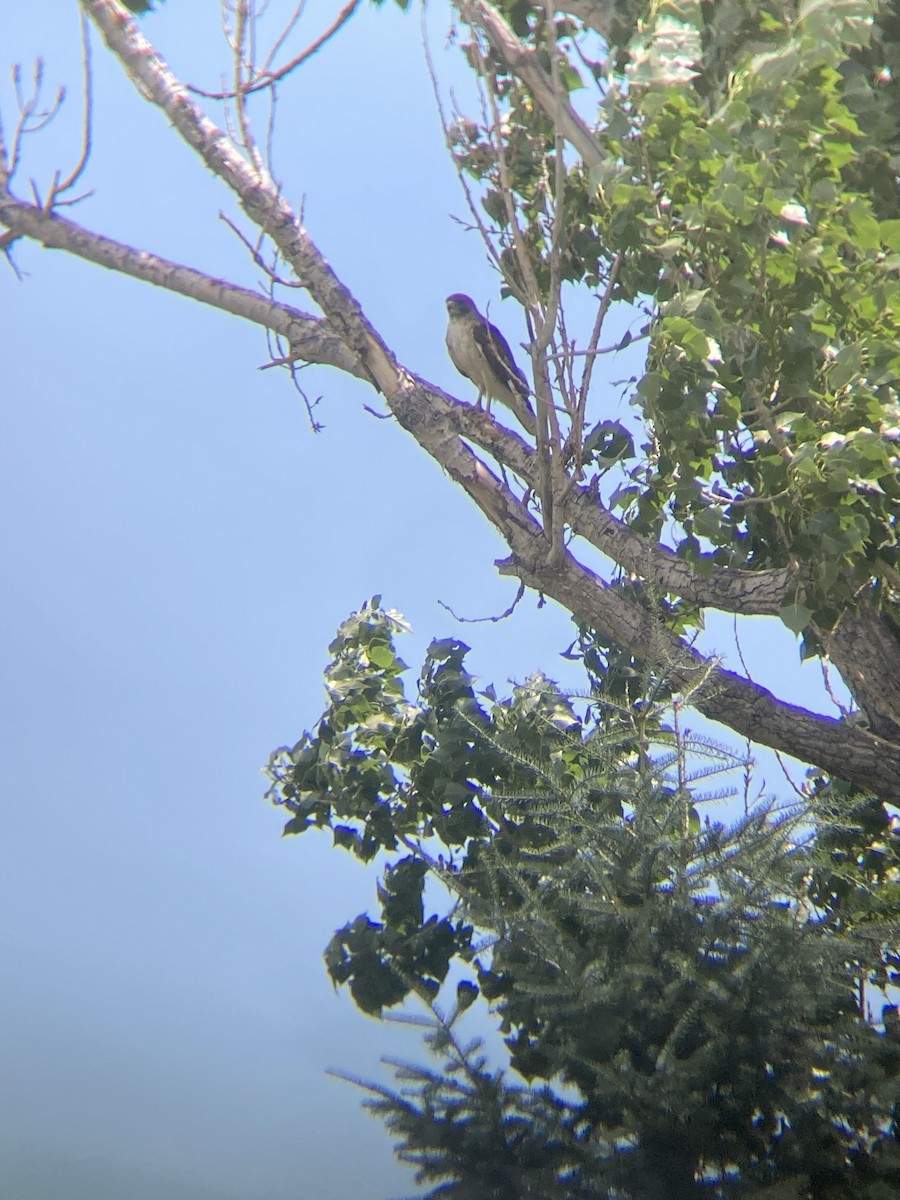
178,550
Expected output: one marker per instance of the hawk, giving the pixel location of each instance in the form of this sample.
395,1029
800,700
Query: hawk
479,351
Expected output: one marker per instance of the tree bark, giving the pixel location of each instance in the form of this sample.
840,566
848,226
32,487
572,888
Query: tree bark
864,647
310,337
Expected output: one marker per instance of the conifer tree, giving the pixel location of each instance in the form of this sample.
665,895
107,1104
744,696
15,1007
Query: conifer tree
679,996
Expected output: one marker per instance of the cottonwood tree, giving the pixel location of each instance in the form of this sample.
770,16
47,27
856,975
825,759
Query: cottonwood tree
728,170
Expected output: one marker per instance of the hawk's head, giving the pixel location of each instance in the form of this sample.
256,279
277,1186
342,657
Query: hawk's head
460,305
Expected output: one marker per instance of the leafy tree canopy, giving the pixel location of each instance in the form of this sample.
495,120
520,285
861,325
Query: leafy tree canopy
684,996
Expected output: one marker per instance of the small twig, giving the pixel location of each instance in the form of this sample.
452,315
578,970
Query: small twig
242,237
7,240
558,480
767,422
592,351
587,64
251,32
256,255
87,121
520,592
547,425
4,156
739,648
680,753
237,49
381,416
576,434
31,120
563,365
748,777
559,185
613,349
562,361
712,497
786,773
523,258
845,712
266,78
28,109
283,37
284,361
314,425
244,30
270,136
445,125
73,200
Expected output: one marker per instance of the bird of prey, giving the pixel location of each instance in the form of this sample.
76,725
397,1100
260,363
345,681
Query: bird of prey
479,351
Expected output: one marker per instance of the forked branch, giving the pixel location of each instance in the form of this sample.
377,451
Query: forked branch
267,76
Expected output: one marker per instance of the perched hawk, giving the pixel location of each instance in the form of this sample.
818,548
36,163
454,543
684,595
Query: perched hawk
480,352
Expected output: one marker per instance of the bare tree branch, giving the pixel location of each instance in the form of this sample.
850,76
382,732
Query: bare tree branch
265,207
746,592
477,222
32,118
267,78
65,185
576,437
310,337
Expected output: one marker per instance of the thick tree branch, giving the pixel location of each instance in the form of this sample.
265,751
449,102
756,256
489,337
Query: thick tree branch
749,593
309,336
865,649
744,592
843,748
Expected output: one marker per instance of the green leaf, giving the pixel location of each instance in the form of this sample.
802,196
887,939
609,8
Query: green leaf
608,442
383,656
466,995
796,617
889,233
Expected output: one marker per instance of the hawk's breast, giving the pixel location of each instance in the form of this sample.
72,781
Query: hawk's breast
466,356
